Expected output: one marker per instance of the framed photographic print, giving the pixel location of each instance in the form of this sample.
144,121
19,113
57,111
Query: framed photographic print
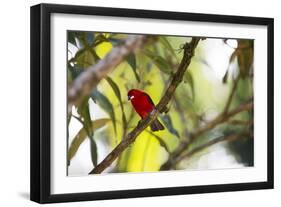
133,103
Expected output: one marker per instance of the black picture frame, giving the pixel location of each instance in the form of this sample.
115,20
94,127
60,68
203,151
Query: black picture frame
41,102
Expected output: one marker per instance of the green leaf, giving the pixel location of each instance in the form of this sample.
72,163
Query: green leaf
131,60
224,79
231,59
244,89
74,71
75,38
165,42
169,125
94,153
71,37
115,88
101,38
82,135
94,54
117,92
161,142
189,79
84,112
105,104
159,61
85,58
232,56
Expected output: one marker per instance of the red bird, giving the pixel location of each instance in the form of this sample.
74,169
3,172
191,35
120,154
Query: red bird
143,105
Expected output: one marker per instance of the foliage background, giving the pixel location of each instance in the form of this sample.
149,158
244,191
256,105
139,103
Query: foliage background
106,116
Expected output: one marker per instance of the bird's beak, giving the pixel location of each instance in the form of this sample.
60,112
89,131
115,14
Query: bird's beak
130,97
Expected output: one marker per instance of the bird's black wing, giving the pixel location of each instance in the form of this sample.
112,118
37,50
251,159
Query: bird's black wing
150,100
164,110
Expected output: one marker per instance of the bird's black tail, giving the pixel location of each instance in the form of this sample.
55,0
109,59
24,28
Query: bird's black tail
156,125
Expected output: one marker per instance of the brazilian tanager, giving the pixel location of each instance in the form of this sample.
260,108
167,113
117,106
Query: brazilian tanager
143,105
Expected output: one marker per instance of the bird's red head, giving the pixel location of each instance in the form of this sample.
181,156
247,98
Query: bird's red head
134,93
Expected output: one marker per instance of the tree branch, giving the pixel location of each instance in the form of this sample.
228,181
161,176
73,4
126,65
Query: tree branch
189,49
212,142
184,144
222,118
83,84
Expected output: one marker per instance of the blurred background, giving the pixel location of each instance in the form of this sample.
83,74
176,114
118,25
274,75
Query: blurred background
221,72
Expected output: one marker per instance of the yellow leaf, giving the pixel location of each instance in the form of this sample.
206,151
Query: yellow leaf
103,48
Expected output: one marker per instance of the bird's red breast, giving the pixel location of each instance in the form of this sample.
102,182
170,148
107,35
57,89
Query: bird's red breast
143,105
141,101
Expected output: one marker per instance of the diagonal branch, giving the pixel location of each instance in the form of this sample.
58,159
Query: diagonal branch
212,142
83,85
184,144
189,49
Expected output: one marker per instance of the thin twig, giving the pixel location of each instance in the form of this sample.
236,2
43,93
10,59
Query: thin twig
210,143
131,137
223,117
